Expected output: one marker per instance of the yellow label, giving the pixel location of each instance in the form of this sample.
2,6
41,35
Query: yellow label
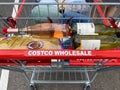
1,39
80,44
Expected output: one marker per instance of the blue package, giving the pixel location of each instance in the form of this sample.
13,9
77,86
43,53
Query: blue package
66,43
77,17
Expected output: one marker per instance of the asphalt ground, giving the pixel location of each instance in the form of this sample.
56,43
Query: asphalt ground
109,80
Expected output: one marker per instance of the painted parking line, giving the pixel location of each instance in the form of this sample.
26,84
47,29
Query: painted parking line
4,79
15,9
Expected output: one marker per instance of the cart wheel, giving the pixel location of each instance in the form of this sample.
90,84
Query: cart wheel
32,87
87,88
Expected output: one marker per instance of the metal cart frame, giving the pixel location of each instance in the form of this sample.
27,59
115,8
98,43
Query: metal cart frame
43,69
60,73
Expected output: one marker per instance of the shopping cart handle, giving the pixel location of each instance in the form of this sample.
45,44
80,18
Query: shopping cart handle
12,22
4,31
7,30
115,26
105,20
112,22
49,20
67,26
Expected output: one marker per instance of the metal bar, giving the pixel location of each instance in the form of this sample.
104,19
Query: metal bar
87,75
48,9
39,11
26,76
62,70
32,3
90,14
32,18
107,69
69,76
75,76
50,76
28,16
12,69
105,21
56,76
33,75
57,8
44,76
81,73
38,75
63,75
93,77
105,9
58,82
4,20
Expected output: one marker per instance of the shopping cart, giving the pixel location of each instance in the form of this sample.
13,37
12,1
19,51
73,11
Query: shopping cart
51,67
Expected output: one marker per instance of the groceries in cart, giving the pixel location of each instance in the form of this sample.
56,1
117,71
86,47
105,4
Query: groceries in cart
18,42
94,37
41,29
77,18
51,29
41,36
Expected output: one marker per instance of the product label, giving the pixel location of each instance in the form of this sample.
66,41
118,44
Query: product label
90,44
86,29
59,53
12,30
118,23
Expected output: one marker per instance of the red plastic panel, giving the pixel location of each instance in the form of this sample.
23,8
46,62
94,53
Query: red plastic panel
93,62
60,54
30,62
33,57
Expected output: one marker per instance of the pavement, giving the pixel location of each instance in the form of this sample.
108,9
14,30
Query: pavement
109,80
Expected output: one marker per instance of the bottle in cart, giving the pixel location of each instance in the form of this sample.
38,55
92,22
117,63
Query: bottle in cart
96,42
99,29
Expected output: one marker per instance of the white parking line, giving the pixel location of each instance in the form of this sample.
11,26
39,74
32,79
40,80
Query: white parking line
5,73
4,79
15,8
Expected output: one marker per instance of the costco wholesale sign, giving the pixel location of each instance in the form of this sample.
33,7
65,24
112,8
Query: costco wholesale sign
59,53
